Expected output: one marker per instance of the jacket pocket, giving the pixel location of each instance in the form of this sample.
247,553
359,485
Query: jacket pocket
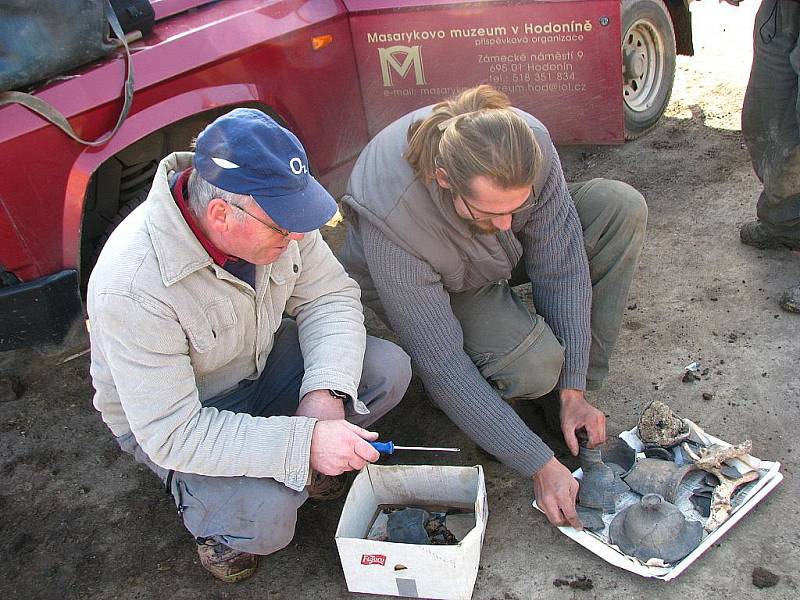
215,329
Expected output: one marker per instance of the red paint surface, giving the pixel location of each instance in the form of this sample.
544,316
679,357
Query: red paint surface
259,51
222,54
571,80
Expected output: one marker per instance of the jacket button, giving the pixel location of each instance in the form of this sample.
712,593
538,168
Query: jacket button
295,268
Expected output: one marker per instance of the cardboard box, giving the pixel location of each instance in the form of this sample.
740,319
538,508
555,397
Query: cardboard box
416,571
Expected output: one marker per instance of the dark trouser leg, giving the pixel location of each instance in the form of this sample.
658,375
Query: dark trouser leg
771,117
515,349
614,219
258,515
385,376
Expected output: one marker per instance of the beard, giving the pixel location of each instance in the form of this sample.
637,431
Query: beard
481,228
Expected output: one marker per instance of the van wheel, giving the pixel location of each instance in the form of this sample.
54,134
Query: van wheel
648,64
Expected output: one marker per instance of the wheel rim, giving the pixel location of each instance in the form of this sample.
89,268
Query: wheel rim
642,65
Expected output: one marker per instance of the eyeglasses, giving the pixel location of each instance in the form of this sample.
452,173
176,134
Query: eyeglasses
530,202
283,232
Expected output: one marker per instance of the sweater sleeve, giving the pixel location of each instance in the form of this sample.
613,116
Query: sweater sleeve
418,308
556,263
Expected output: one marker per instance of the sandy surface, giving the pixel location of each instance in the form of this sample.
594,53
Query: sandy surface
80,520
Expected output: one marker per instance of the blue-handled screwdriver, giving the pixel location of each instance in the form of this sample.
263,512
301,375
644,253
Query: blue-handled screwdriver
389,448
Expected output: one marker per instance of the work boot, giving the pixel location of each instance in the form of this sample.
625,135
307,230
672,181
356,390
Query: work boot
225,563
755,234
326,487
790,299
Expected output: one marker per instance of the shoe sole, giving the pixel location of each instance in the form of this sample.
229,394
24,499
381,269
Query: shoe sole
236,577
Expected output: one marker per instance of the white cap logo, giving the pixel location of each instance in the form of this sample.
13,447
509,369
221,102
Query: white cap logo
297,166
225,164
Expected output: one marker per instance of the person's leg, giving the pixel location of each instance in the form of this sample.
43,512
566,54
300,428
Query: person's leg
385,376
514,349
384,380
770,125
258,516
614,219
250,514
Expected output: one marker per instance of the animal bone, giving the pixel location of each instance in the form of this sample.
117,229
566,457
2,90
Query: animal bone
711,460
715,455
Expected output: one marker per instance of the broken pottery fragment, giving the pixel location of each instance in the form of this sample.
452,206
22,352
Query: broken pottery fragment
618,455
702,504
592,518
654,476
659,426
659,453
600,486
655,528
460,524
407,526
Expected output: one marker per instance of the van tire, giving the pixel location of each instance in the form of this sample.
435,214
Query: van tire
648,64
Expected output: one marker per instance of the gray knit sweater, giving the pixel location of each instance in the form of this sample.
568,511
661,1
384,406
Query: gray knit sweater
418,309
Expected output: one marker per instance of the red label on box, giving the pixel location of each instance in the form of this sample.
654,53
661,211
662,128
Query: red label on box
373,559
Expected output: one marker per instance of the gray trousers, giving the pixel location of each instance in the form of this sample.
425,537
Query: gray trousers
771,117
517,351
258,515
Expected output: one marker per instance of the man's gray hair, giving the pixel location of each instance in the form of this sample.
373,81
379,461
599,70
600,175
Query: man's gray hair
201,193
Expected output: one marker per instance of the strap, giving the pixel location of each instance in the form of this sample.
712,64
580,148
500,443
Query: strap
50,113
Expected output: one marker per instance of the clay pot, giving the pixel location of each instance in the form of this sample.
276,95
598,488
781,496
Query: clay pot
600,486
654,528
654,476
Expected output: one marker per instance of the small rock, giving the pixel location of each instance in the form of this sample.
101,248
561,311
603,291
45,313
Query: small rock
708,395
762,578
689,377
581,583
630,307
713,298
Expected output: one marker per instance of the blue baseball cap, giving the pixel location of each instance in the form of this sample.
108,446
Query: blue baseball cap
246,152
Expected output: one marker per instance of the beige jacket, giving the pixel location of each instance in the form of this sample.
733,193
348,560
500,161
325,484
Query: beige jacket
171,329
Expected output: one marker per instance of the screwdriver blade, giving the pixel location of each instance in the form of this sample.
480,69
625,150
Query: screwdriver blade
424,448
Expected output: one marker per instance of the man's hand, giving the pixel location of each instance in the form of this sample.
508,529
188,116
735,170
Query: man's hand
321,405
555,490
339,446
577,414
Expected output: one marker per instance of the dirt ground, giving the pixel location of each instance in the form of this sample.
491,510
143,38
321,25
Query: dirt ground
81,520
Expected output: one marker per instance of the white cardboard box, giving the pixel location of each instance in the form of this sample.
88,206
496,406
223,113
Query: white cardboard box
411,570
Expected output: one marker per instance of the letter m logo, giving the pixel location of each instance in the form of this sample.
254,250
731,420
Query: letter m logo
411,57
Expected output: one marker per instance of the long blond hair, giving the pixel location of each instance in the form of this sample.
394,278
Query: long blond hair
475,133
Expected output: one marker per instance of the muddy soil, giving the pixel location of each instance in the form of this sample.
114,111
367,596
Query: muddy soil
81,520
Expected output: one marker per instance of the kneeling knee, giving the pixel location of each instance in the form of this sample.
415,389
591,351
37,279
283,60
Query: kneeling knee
535,372
273,533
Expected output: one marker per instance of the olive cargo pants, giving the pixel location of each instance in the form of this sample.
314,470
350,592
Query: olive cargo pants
516,351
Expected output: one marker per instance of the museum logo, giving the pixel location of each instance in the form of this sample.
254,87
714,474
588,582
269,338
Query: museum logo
400,60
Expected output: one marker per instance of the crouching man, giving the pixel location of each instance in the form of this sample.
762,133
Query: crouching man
452,205
241,411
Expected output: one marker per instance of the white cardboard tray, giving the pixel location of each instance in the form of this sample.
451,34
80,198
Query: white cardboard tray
753,494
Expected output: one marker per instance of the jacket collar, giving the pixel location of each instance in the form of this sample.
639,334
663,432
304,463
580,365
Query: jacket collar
177,249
